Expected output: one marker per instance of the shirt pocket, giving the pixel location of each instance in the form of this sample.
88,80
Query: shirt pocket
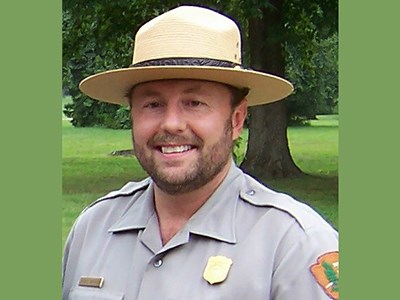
85,293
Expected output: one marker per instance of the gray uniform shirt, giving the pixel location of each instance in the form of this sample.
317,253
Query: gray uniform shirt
271,239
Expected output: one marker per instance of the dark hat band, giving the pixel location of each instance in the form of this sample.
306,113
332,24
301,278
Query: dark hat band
239,92
173,61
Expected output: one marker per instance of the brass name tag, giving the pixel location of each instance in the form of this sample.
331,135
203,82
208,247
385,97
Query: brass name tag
91,281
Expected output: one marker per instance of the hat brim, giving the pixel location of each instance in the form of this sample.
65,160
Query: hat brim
113,86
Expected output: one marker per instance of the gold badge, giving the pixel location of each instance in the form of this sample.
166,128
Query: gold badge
326,273
217,269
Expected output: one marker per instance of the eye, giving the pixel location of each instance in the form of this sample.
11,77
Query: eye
195,103
152,104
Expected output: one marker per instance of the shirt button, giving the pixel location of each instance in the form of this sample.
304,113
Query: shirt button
251,192
158,263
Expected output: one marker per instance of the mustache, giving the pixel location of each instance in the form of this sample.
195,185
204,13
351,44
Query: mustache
158,139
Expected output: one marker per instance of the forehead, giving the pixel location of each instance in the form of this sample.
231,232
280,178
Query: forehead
185,86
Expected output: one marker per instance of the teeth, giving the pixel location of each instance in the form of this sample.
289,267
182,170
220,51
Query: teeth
175,149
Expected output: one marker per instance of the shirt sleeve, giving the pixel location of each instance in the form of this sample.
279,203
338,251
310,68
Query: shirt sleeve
64,265
300,271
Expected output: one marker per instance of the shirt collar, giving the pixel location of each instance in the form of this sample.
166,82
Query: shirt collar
215,219
138,214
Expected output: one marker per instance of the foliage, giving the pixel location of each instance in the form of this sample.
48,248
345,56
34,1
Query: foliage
98,36
239,148
95,39
311,53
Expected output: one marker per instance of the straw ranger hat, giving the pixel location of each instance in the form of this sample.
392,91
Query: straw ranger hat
187,42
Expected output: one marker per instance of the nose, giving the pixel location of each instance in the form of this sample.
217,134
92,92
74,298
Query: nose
173,120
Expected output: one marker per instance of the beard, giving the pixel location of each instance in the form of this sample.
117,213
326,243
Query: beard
210,162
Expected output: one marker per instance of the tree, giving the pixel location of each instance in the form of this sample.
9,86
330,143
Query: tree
268,153
317,86
311,58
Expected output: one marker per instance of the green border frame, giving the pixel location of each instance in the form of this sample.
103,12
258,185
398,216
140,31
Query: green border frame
369,107
30,149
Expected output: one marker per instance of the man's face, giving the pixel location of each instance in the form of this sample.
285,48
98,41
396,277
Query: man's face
183,131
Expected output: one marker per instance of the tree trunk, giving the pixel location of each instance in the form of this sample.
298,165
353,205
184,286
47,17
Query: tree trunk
268,154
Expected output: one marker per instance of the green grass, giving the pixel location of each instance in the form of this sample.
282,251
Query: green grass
315,150
89,170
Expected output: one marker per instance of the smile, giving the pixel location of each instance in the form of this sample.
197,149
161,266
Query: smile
175,149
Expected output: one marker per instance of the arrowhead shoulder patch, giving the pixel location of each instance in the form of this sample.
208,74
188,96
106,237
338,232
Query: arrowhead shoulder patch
326,273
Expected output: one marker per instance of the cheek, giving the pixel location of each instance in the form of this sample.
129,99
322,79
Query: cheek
203,125
142,129
211,130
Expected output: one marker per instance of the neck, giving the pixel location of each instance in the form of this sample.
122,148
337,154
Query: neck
174,211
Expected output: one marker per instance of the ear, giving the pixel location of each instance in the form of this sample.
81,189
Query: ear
238,117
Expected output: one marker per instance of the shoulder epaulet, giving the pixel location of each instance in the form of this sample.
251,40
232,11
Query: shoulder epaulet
128,189
257,194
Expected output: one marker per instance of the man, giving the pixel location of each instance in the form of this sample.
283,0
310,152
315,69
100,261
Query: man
197,228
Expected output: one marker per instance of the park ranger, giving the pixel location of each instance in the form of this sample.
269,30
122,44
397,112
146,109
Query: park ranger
198,227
